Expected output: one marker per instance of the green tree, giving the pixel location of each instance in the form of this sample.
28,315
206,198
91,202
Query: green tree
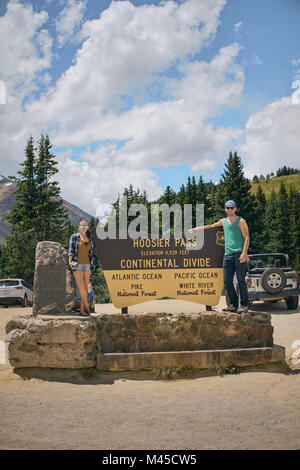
191,196
283,222
270,232
51,215
36,215
132,196
294,202
234,185
168,197
202,198
24,211
258,234
20,244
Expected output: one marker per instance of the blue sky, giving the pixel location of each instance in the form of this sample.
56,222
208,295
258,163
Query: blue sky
148,92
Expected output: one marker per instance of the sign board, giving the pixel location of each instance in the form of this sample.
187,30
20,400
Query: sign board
143,269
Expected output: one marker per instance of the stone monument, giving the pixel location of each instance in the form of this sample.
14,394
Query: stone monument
54,285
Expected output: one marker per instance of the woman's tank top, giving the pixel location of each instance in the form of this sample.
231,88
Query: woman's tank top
83,252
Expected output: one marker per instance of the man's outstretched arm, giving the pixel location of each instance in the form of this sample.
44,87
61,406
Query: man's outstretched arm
216,224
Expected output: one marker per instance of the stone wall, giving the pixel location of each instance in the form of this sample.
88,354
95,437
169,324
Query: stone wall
182,332
70,342
57,343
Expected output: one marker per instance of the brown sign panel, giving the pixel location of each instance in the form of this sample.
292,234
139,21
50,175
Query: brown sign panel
139,270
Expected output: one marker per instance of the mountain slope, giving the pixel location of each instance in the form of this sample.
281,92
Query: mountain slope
274,183
8,187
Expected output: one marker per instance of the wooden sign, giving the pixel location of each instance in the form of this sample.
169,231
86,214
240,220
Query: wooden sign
143,269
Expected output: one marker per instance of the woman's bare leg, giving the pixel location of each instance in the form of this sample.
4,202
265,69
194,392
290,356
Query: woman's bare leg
79,278
86,278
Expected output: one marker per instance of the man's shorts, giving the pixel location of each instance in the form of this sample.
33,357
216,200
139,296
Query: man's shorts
83,267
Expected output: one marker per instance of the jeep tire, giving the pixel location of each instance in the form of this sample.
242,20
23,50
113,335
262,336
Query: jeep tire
273,280
292,302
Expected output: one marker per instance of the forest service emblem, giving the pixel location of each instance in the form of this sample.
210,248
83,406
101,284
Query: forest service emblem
220,238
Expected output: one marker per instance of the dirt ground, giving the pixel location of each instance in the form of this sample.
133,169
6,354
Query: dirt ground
257,409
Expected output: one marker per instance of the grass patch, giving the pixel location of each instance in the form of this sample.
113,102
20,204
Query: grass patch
233,369
173,372
225,370
274,183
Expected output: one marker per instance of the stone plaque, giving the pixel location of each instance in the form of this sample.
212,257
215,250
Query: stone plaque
52,282
54,286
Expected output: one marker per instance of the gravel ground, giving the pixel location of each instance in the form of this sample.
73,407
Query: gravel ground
257,409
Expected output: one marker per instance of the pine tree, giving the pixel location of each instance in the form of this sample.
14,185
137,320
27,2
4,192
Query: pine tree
168,197
20,244
213,205
52,216
24,211
38,213
133,197
270,232
191,196
283,221
202,198
257,237
234,185
181,196
294,203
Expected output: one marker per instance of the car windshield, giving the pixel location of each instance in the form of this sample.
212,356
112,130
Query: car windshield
8,282
268,261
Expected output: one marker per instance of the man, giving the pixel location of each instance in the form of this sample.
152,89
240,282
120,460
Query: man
236,234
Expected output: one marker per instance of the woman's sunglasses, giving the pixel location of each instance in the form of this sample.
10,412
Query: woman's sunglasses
84,226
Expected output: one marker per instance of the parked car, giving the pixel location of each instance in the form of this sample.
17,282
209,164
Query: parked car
271,278
15,292
90,296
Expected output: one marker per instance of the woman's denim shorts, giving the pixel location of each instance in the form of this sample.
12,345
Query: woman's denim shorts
83,267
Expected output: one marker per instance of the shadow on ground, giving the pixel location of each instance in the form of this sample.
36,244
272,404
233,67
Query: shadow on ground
274,308
93,376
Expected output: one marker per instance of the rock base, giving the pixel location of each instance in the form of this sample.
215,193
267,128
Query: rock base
196,359
142,341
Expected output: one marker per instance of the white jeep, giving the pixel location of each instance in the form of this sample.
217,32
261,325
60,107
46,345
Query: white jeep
270,278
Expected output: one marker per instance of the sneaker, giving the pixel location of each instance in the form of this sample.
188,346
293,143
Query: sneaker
231,308
242,309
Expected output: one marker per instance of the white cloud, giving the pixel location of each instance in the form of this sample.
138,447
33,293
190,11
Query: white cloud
84,104
69,19
93,185
123,50
237,26
126,49
25,48
295,61
25,51
271,137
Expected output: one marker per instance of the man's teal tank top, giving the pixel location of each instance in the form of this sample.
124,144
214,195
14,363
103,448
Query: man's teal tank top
234,240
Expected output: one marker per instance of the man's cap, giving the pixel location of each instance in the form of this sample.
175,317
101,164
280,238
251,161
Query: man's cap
230,203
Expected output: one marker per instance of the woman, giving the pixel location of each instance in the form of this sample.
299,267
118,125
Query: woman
82,262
